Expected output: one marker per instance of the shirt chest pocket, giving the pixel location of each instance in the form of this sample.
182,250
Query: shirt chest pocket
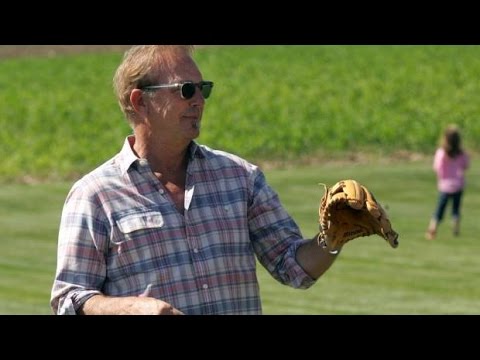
139,227
133,243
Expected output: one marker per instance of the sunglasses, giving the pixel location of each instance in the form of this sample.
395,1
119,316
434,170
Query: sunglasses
187,88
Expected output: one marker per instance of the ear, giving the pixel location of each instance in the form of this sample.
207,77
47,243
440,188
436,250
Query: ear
137,101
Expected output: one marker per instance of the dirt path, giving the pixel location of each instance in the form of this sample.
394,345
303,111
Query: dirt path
7,51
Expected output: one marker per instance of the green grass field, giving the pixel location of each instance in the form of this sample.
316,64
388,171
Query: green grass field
296,106
369,277
59,117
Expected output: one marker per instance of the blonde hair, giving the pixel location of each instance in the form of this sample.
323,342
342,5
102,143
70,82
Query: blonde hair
140,65
451,141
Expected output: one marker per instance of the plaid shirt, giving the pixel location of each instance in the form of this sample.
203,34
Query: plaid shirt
120,234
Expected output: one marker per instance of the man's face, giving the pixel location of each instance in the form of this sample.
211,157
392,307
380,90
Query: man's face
171,116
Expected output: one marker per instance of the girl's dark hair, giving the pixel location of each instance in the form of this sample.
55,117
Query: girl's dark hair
451,141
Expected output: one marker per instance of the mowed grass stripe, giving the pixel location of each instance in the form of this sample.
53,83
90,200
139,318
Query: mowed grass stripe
369,277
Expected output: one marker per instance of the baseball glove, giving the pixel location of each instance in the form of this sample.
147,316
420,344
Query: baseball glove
349,210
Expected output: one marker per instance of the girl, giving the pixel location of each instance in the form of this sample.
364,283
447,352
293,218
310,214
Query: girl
450,163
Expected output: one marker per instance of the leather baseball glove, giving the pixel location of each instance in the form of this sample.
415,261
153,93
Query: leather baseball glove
349,210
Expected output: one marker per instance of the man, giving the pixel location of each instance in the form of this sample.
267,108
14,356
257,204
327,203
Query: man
169,226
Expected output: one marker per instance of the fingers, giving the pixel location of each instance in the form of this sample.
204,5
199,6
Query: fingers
355,194
146,292
164,307
170,310
379,213
392,238
348,192
371,203
389,234
177,312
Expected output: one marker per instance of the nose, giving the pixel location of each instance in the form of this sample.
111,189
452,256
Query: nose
197,99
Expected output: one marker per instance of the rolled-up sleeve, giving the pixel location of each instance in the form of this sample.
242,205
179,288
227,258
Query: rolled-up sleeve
275,235
67,303
81,265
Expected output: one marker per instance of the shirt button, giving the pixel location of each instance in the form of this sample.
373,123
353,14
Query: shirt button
162,191
226,208
205,286
195,251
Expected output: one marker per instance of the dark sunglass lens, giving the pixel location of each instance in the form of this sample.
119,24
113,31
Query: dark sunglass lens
206,90
188,90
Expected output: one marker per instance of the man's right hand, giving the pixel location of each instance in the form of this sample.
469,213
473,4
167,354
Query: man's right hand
131,305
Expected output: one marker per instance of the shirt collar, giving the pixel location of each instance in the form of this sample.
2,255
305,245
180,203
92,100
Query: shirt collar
195,150
127,157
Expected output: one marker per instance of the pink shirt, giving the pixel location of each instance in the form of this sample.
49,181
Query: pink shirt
450,171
